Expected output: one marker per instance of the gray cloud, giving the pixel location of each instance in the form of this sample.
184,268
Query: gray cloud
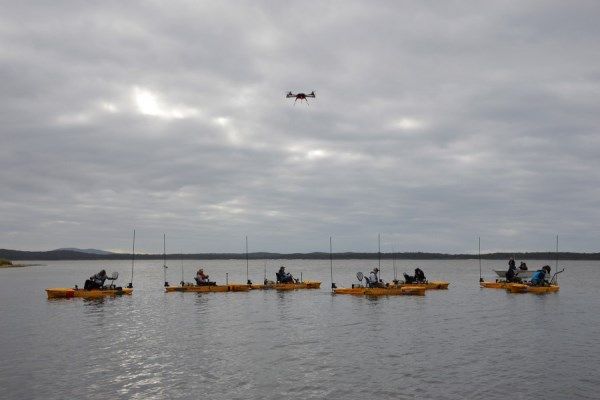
434,124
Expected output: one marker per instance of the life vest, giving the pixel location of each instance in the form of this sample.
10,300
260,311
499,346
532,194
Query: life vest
538,277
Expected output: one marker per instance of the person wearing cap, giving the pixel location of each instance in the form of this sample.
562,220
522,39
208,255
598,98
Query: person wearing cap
284,277
201,277
374,278
539,277
96,281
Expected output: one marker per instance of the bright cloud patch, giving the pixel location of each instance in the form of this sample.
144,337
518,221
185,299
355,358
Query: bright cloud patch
109,107
316,154
408,124
149,103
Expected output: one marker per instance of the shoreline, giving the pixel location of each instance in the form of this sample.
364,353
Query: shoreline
19,265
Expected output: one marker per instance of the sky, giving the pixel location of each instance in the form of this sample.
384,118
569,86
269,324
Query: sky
435,123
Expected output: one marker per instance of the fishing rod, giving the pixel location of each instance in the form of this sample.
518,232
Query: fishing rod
333,286
165,259
394,262
248,281
556,266
182,282
379,256
130,285
480,278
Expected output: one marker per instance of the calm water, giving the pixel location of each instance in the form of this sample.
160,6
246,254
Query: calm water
462,343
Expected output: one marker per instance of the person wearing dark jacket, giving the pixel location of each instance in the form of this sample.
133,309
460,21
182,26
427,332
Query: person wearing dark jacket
96,281
511,274
511,263
284,277
523,266
420,276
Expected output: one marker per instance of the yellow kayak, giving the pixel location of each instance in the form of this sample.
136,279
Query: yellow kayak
287,286
523,288
433,285
494,285
400,290
69,293
235,287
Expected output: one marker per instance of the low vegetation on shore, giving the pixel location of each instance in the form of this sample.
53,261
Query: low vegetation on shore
9,264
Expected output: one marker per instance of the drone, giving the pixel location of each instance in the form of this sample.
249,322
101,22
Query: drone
301,96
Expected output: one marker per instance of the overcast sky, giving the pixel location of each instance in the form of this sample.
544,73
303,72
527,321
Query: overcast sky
434,123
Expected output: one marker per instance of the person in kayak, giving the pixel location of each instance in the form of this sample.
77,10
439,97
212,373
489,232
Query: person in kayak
373,279
523,266
511,263
201,277
539,276
284,277
96,281
420,276
511,275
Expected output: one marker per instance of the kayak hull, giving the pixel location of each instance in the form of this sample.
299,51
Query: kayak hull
287,286
208,288
356,291
433,285
522,288
69,293
494,285
411,290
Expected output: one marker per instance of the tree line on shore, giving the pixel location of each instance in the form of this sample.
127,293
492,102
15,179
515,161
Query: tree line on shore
77,255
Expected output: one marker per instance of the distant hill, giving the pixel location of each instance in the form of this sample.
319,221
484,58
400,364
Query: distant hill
77,254
88,251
